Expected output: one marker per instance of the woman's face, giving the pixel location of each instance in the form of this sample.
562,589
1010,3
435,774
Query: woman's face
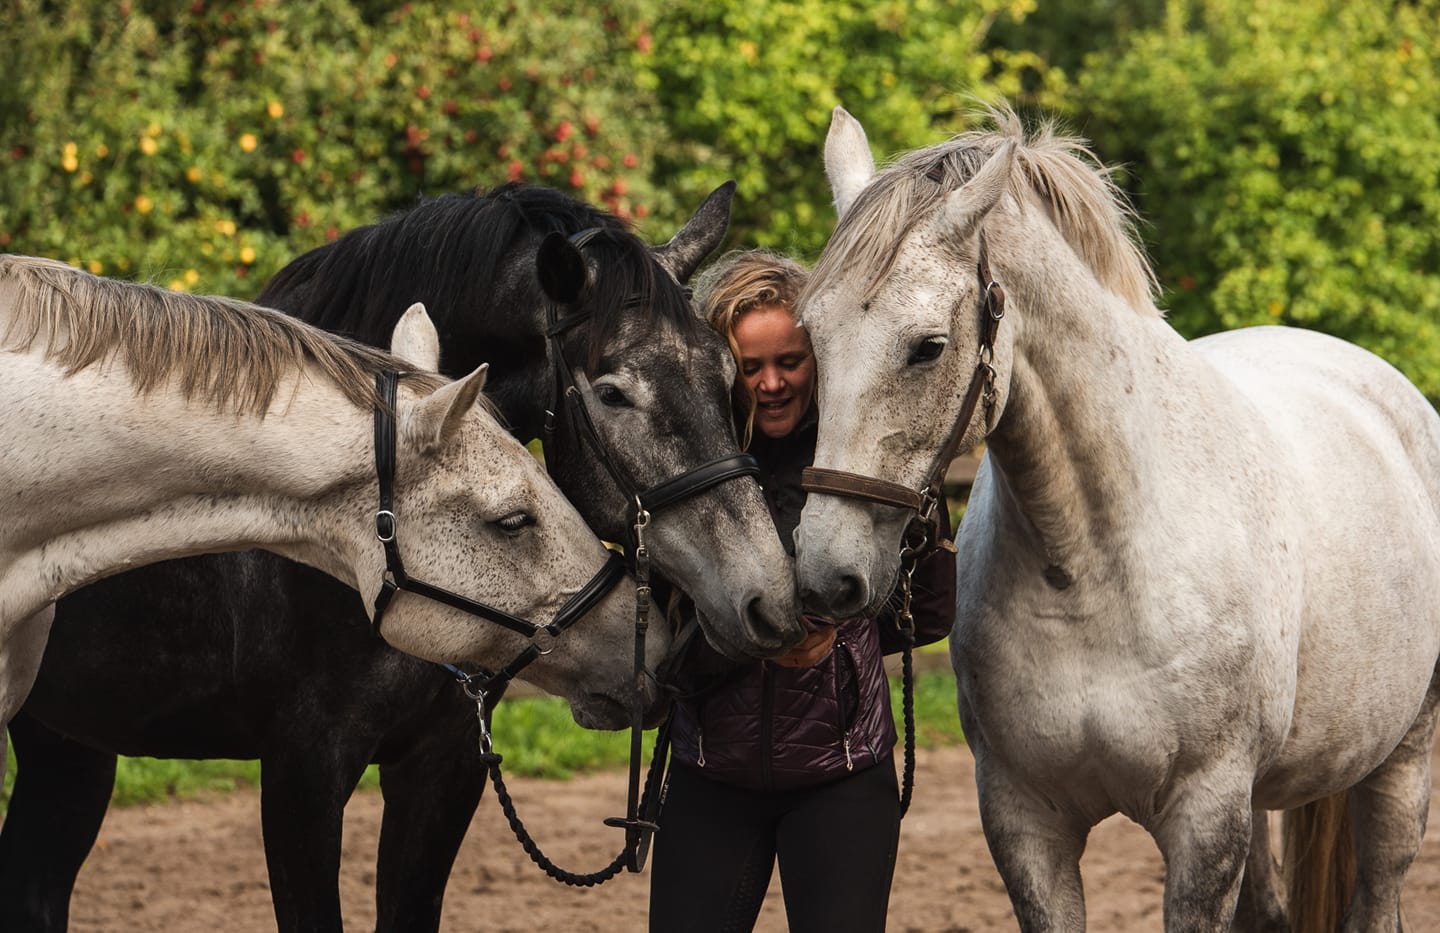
778,367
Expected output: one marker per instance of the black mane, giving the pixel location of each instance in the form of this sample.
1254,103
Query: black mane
450,252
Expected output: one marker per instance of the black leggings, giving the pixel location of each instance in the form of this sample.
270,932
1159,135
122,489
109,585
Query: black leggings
717,845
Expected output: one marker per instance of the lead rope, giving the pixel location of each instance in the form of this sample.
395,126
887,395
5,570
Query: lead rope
909,555
638,830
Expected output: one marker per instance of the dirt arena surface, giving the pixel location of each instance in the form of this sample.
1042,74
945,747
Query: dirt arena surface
199,866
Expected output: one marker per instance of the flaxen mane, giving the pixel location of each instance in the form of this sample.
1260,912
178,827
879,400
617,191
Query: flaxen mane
1090,212
228,353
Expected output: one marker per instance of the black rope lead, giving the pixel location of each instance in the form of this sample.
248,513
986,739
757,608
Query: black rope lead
624,859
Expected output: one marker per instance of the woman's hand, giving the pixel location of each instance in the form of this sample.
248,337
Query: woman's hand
809,652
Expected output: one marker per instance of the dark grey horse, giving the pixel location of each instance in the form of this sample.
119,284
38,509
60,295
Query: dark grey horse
247,655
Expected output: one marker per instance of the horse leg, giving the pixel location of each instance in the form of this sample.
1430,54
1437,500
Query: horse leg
21,649
1037,851
430,798
1261,909
1205,833
303,790
62,789
1390,808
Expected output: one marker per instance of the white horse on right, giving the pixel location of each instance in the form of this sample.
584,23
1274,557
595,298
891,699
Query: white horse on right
1197,580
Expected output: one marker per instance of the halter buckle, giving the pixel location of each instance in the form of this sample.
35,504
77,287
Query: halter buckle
385,525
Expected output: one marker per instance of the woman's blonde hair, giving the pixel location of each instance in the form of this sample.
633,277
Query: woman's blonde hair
738,283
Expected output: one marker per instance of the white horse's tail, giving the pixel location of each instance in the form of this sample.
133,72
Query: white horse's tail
1319,853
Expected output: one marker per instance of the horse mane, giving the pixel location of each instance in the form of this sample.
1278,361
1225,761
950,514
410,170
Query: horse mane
1062,172
447,252
229,353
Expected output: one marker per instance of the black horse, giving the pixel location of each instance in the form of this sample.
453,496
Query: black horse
247,655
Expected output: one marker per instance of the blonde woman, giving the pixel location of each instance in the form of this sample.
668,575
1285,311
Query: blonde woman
787,760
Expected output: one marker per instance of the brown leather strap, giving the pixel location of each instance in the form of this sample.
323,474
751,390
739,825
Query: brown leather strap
855,486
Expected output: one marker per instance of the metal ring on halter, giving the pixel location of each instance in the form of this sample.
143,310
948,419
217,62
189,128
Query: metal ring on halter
388,517
996,309
475,693
548,641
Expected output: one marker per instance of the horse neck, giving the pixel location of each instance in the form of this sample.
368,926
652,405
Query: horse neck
153,477
1086,401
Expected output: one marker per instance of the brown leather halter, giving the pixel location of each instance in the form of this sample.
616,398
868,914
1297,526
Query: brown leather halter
982,388
923,535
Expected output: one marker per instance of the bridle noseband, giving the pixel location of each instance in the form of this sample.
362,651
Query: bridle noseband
397,578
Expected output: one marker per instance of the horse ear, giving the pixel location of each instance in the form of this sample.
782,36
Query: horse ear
848,162
433,420
967,205
561,268
699,237
414,339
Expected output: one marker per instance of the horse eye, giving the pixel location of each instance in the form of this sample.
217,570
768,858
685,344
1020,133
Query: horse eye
611,397
926,350
514,522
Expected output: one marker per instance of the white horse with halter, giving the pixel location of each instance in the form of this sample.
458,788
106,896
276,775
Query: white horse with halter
144,425
1197,580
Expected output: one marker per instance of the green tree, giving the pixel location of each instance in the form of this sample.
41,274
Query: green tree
746,90
204,144
1284,155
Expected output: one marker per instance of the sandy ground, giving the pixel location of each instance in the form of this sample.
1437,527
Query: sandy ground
199,866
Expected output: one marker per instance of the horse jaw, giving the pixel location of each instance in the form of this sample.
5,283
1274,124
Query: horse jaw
849,163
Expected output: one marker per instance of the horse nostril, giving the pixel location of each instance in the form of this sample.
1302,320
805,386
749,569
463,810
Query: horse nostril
850,591
767,630
844,597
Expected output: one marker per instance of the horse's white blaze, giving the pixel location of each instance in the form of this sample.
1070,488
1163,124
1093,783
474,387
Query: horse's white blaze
1193,577
95,478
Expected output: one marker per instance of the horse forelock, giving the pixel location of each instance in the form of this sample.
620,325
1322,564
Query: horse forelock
629,287
227,353
1061,172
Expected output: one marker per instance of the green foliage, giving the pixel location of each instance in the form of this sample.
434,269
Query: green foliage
746,91
538,737
205,144
1285,155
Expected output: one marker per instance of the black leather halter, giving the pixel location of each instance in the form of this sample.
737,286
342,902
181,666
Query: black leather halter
396,579
568,397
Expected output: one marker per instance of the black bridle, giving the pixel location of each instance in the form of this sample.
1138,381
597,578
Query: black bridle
479,686
568,399
397,578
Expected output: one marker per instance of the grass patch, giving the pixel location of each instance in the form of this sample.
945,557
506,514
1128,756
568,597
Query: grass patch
538,738
937,723
535,734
